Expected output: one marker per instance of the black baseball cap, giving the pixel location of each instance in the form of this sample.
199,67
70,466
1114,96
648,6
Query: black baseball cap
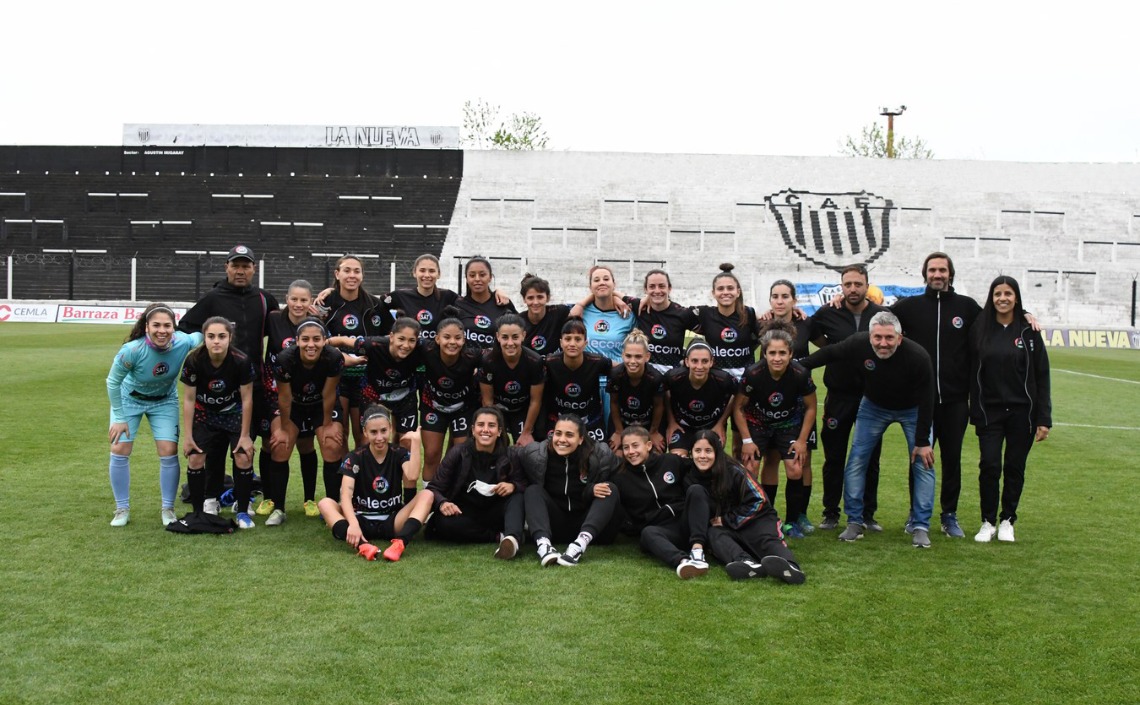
240,252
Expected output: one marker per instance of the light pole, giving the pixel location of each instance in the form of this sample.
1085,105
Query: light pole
890,114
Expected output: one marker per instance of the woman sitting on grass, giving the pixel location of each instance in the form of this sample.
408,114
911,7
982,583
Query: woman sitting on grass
371,504
143,382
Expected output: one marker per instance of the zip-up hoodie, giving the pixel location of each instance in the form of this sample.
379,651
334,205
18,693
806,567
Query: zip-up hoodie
248,308
559,475
746,503
653,492
940,322
1011,368
461,467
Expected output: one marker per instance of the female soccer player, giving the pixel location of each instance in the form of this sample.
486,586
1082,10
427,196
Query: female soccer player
671,521
307,376
477,491
730,327
664,321
447,389
568,495
697,396
572,382
776,406
217,407
1010,402
745,531
353,312
544,320
371,504
606,316
637,392
425,303
478,308
513,378
143,382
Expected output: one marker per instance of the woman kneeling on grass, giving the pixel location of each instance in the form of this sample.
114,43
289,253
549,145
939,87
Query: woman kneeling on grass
671,518
143,382
745,531
568,495
371,502
478,496
217,408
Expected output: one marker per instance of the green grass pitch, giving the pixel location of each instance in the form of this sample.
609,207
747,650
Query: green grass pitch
92,614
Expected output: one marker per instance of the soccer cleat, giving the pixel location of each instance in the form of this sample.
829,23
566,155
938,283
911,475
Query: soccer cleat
853,532
168,516
1005,531
805,524
122,516
211,506
277,518
367,550
244,521
264,507
548,555
986,533
311,508
829,523
688,568
742,570
792,531
921,538
782,569
951,528
508,547
393,552
872,525
571,556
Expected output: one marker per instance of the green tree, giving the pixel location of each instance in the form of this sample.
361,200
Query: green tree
483,129
872,142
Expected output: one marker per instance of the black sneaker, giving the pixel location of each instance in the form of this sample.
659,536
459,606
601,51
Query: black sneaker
571,557
742,570
548,555
782,569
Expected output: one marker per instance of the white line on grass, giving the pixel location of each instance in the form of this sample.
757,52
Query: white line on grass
1111,428
1086,374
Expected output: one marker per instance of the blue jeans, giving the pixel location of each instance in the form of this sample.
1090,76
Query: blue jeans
870,425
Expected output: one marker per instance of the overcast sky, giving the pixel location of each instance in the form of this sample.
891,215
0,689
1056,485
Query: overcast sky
1024,81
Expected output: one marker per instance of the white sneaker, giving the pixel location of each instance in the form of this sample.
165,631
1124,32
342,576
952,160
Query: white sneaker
508,547
688,568
277,518
1005,531
122,516
168,516
986,533
211,506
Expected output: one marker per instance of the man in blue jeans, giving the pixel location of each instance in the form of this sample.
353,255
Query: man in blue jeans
898,386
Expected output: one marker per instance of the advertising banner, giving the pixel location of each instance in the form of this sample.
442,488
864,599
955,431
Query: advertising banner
72,312
322,136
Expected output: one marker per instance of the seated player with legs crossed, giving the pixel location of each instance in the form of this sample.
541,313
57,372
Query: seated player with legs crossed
371,505
477,490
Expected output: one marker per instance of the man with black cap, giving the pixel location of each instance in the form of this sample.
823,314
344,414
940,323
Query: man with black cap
241,301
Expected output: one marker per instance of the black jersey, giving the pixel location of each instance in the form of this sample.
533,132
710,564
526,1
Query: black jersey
448,388
733,343
217,390
666,331
511,386
308,383
366,315
775,403
280,334
635,401
426,310
800,348
387,379
699,408
479,319
379,489
545,337
575,391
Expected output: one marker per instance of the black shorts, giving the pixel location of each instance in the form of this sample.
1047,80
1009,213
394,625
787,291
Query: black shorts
767,438
515,422
405,412
308,418
210,438
372,529
350,388
264,411
458,422
683,439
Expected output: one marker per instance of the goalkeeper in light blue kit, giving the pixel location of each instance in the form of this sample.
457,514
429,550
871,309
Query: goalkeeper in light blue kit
143,381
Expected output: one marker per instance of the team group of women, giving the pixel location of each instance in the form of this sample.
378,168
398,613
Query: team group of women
573,423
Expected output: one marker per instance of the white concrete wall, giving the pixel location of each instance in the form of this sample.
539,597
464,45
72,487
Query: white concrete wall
1070,233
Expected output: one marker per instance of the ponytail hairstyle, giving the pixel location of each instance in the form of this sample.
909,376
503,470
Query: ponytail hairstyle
777,329
138,330
501,442
662,272
535,282
507,319
378,411
311,322
368,298
585,450
451,318
636,337
726,273
200,354
783,282
635,430
404,323
431,258
478,259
